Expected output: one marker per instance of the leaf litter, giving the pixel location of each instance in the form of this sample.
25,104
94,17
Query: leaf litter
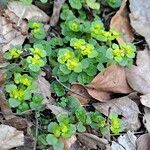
113,80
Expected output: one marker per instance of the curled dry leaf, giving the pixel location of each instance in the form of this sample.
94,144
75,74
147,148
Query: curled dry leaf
112,80
138,76
143,142
13,34
10,137
27,11
146,118
120,22
91,141
44,89
122,106
80,93
140,17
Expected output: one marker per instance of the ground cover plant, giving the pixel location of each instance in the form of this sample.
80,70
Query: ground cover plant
77,51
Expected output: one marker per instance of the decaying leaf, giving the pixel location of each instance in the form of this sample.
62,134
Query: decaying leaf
93,142
10,137
112,80
13,34
140,17
138,76
44,89
128,141
80,93
145,100
146,118
116,146
122,106
120,22
143,142
28,12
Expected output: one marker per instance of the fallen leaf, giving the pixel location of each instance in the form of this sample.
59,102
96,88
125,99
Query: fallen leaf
122,106
10,32
10,137
112,80
143,142
140,17
116,146
145,100
138,76
128,141
44,89
91,141
121,23
56,12
69,143
28,143
80,93
28,12
146,118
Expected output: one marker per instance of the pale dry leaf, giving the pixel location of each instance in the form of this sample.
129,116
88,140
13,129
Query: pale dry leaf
44,89
145,100
122,106
143,142
146,118
128,141
92,141
138,76
112,80
68,143
10,137
116,146
29,12
140,17
121,23
10,32
80,93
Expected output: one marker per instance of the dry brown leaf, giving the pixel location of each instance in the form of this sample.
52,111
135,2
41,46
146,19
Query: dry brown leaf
10,137
13,34
112,80
122,106
120,22
116,146
91,141
27,11
143,142
146,118
44,88
138,76
80,93
140,17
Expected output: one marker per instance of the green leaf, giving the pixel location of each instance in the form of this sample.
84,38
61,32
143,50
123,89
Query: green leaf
51,139
73,77
85,63
81,127
92,4
34,68
54,128
114,3
58,89
63,118
64,69
44,1
23,107
84,78
42,140
81,114
100,67
109,53
58,146
10,87
91,70
93,54
14,102
76,4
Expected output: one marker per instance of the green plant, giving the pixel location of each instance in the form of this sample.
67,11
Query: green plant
60,129
114,3
28,2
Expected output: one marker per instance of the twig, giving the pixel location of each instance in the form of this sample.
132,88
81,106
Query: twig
68,88
37,129
56,11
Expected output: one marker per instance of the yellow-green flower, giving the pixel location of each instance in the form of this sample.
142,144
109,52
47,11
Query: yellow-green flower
74,26
18,94
72,63
87,50
96,27
78,43
118,54
129,50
